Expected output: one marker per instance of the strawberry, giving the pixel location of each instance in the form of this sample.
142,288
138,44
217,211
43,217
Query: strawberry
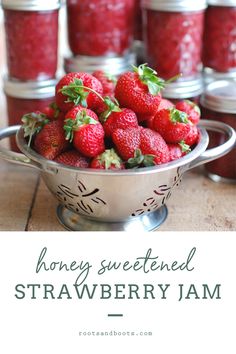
163,104
139,90
53,112
108,160
108,82
191,108
193,136
172,124
140,146
50,141
178,150
78,88
72,158
115,117
85,132
32,124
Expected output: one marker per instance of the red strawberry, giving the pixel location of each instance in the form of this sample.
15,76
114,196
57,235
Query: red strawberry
53,112
108,160
178,150
173,125
193,136
115,117
50,141
72,158
140,146
77,88
163,104
72,114
139,90
191,108
85,131
108,82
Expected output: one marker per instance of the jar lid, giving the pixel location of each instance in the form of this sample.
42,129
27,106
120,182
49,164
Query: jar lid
112,65
212,75
222,2
29,89
175,5
31,5
220,96
183,89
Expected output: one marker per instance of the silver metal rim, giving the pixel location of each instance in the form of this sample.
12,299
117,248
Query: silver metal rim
75,222
210,75
31,5
175,5
219,103
113,65
29,89
184,89
229,3
51,165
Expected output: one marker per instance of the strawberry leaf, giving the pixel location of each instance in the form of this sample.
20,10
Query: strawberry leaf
32,124
149,160
177,116
149,77
74,124
75,92
109,158
112,106
137,160
184,147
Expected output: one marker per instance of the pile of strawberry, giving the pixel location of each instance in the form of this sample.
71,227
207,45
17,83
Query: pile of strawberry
97,122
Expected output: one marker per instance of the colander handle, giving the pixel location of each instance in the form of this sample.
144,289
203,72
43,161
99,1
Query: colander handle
216,152
11,156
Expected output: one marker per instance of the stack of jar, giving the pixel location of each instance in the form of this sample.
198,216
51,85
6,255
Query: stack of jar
219,50
100,35
173,31
31,29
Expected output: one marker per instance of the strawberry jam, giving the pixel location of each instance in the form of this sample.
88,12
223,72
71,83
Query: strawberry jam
173,36
27,97
31,40
218,103
100,27
220,36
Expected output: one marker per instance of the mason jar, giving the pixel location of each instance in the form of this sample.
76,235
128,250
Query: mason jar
219,49
31,28
26,97
111,65
173,33
211,75
184,90
218,103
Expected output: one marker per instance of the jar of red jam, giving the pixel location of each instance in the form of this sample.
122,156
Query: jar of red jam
26,97
31,28
219,51
184,90
173,36
138,35
218,103
100,27
114,65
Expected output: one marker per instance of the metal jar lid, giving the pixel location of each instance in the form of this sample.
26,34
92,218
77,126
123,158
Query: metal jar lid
29,89
183,89
175,5
222,2
219,96
212,75
112,65
31,5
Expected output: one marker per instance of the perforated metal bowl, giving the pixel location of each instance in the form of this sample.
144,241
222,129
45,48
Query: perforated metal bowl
132,199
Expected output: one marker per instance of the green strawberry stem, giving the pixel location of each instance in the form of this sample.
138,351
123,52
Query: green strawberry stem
32,124
174,78
73,124
112,106
140,159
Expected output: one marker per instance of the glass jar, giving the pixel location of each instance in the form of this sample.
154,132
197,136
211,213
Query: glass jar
219,51
100,27
114,66
218,103
184,90
26,97
212,75
138,21
31,38
173,36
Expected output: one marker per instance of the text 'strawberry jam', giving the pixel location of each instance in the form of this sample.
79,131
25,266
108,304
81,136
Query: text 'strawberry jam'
26,97
173,36
184,90
219,49
218,103
100,27
31,39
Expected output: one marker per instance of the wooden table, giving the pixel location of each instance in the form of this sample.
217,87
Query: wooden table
26,204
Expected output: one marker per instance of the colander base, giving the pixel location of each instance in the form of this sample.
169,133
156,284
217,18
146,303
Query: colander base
74,222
